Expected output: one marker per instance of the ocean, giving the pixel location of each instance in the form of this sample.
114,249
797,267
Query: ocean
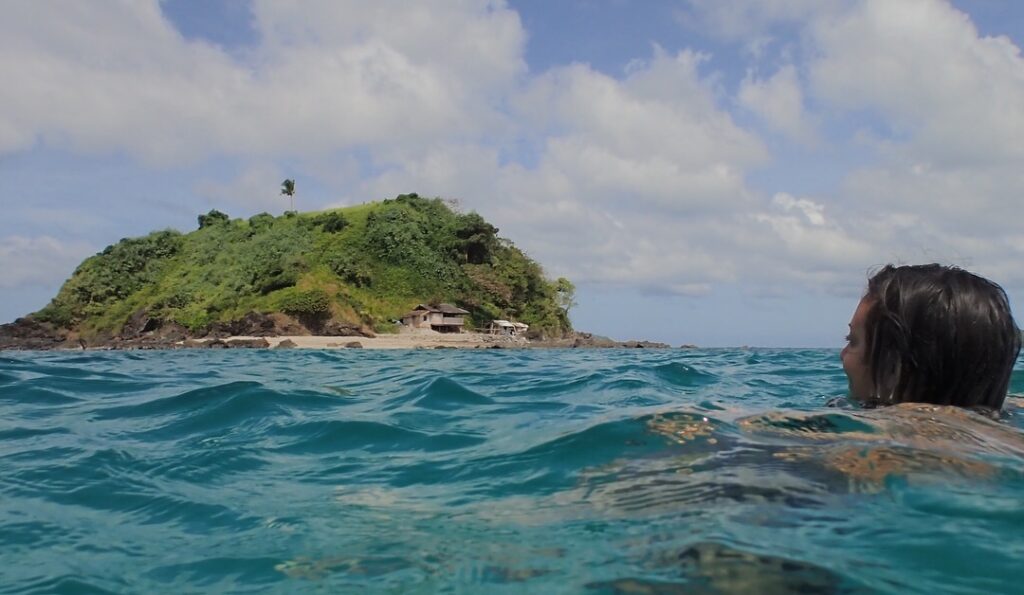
493,471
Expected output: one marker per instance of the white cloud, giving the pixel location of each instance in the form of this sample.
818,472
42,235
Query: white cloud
809,238
37,261
779,102
122,79
950,115
938,114
922,65
657,136
813,212
662,108
473,44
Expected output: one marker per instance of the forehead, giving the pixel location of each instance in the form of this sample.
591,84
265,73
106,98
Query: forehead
860,315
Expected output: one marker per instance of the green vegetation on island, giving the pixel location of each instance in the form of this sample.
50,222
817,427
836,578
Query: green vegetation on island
359,267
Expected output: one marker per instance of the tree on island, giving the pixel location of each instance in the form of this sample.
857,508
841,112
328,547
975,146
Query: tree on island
565,295
212,218
288,189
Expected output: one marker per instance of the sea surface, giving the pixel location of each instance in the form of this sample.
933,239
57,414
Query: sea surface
493,471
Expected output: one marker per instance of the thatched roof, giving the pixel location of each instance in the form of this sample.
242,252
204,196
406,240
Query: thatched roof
446,309
442,308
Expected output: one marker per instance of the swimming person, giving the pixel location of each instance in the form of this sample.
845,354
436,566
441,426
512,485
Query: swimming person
931,334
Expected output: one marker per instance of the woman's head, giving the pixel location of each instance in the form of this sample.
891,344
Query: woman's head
931,334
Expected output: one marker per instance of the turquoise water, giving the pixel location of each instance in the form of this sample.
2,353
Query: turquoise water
542,471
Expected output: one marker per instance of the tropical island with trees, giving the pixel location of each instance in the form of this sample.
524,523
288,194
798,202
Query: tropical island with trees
352,271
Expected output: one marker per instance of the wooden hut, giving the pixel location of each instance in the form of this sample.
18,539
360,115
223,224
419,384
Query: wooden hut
443,318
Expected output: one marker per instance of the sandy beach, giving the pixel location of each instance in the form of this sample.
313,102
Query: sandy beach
409,339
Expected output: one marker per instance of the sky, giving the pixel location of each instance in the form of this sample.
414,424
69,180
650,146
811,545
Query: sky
714,172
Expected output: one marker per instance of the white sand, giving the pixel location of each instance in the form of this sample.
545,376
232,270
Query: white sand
409,339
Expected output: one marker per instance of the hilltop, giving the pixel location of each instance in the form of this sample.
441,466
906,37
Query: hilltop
347,271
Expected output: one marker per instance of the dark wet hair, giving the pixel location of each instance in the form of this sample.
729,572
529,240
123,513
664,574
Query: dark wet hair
938,334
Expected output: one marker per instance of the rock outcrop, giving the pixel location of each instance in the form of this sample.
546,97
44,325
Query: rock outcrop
29,333
591,341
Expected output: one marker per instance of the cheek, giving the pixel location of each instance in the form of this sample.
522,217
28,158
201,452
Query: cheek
853,366
847,358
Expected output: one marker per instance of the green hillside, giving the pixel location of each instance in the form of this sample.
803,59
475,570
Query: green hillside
362,266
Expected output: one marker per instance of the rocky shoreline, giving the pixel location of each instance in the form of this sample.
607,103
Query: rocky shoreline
257,331
144,332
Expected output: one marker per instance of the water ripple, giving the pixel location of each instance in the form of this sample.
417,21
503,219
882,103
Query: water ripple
339,436
562,471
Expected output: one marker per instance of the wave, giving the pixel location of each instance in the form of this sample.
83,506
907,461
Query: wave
22,433
440,393
36,395
554,463
217,572
336,436
182,403
66,583
681,374
541,386
235,406
643,470
119,482
209,462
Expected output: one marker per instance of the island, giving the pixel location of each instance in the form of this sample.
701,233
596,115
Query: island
346,277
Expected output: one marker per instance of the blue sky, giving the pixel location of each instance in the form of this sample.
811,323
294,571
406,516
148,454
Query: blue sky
707,171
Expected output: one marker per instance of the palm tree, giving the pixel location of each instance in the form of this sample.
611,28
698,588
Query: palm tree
288,189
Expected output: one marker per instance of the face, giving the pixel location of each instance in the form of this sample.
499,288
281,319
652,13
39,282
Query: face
854,355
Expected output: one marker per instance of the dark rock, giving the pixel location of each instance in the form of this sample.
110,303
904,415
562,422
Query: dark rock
29,333
643,345
258,343
147,341
252,324
286,344
590,341
140,323
172,332
286,325
333,328
535,335
216,344
354,345
257,324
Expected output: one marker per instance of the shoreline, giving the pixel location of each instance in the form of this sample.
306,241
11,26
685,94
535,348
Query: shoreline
27,334
417,340
421,339
266,332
